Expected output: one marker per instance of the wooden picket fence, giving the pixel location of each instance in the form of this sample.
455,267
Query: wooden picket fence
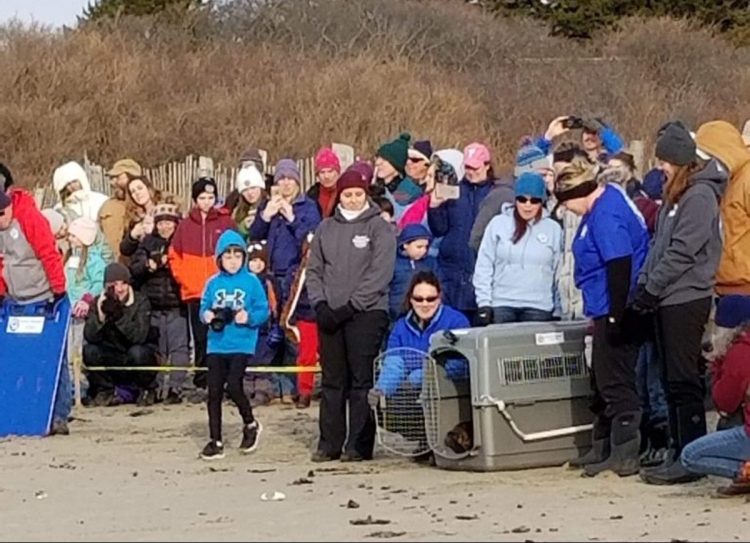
177,178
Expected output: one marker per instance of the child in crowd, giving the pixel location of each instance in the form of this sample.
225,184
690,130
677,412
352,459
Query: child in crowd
386,209
152,275
263,388
413,246
234,306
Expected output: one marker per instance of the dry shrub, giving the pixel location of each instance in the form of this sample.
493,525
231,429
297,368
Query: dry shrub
293,75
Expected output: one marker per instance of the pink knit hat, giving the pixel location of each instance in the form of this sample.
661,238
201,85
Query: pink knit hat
84,229
326,159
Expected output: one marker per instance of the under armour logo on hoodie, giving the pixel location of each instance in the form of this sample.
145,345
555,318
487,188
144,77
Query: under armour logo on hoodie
233,300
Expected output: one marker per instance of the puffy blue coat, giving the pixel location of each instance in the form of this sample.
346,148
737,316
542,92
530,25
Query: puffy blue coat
397,370
454,220
285,238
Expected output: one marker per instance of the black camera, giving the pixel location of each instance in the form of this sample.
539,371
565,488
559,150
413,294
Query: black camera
112,307
222,317
573,123
156,256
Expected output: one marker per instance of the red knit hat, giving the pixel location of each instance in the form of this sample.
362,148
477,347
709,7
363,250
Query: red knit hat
326,159
352,179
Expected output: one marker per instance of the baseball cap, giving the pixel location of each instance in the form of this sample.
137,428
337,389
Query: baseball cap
126,165
476,155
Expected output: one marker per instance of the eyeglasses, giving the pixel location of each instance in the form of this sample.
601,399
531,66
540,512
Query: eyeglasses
428,299
525,200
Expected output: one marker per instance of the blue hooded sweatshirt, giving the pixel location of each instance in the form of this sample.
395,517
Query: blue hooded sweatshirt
406,267
398,370
242,290
521,275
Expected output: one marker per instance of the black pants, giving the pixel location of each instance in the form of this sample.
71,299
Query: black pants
613,368
679,337
229,370
103,381
200,340
347,356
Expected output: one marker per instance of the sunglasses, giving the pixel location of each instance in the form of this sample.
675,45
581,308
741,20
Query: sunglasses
414,159
525,200
428,299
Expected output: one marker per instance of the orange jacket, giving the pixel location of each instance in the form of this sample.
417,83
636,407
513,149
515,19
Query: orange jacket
191,254
724,142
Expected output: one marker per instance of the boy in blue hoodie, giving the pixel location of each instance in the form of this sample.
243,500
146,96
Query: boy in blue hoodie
234,306
413,247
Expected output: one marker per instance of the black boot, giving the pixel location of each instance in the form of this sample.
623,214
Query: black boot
687,423
599,451
656,441
625,442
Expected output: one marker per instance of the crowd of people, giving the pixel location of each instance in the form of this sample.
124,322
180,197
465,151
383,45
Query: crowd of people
384,253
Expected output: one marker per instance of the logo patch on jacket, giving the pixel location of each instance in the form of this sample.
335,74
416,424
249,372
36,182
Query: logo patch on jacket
14,233
361,242
232,300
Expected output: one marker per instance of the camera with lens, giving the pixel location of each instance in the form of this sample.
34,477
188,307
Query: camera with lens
157,255
573,123
112,307
222,317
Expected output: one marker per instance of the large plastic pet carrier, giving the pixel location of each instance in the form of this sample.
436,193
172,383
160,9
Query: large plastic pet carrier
525,405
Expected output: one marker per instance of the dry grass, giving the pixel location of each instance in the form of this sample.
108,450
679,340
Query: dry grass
294,76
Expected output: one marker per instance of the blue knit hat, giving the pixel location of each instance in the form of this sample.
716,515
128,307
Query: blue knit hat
733,311
531,184
286,167
413,232
530,158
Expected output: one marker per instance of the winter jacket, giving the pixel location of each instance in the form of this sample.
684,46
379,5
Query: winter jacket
686,248
284,238
242,290
191,254
723,141
322,196
159,286
403,271
31,266
454,219
91,280
304,310
401,366
522,274
131,329
502,194
352,261
731,378
112,223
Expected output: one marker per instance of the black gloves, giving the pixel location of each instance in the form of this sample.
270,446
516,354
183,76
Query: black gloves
112,308
484,316
329,320
325,317
645,302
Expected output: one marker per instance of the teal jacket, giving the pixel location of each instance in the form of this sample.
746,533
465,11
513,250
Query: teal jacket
91,280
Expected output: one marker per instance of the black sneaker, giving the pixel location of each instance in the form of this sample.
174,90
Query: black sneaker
250,436
214,450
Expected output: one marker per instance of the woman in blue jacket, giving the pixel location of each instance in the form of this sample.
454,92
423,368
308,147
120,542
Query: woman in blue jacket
515,275
427,315
454,220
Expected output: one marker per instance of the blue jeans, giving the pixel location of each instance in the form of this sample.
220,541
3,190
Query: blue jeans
648,382
520,314
721,454
64,398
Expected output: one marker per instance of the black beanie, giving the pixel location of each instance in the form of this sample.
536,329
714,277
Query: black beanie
116,272
6,178
204,184
675,145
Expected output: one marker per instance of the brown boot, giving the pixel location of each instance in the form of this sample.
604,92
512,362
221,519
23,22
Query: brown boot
303,402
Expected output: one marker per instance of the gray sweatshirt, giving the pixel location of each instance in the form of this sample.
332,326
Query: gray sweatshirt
492,206
23,272
686,247
352,261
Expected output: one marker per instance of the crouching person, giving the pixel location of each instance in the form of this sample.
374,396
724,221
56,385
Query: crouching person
234,306
727,453
117,334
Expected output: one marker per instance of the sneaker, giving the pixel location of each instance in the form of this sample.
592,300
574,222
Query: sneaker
214,450
173,397
146,398
106,398
303,402
59,428
250,435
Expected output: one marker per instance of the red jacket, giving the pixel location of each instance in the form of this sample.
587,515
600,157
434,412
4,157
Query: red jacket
38,233
731,378
191,254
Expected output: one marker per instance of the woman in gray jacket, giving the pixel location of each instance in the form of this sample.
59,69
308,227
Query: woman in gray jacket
351,265
677,283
